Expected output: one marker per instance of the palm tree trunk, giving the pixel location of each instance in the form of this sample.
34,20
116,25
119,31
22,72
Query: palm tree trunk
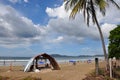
103,44
101,36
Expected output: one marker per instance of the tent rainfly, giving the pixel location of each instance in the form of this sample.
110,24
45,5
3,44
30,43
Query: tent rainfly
33,62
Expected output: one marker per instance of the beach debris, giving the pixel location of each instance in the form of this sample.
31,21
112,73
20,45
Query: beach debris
10,69
36,63
36,70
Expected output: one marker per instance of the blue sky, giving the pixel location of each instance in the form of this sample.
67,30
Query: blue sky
31,27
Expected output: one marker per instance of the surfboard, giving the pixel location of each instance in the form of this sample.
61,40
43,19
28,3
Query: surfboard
27,68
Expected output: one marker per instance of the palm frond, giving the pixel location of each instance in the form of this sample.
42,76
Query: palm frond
67,6
88,7
113,2
84,9
79,6
93,12
70,4
102,5
65,0
88,15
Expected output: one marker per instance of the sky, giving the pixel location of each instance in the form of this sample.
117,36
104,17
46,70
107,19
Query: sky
31,27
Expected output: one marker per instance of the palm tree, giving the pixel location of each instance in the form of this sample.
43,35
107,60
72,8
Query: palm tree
88,8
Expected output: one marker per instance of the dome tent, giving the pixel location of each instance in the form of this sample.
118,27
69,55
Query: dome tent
33,62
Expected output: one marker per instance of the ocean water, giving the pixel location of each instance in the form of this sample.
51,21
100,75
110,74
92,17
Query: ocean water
81,59
22,61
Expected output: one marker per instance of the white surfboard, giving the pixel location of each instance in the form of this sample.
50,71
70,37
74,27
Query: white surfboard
30,62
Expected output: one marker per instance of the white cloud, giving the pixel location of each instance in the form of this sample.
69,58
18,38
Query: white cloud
58,12
18,1
6,9
106,28
14,1
16,30
112,16
58,39
76,30
72,29
26,1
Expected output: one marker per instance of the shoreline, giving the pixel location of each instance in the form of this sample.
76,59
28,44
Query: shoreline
23,62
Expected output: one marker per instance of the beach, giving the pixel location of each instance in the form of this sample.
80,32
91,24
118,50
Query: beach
68,71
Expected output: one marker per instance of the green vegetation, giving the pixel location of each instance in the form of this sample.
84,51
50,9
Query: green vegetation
114,43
